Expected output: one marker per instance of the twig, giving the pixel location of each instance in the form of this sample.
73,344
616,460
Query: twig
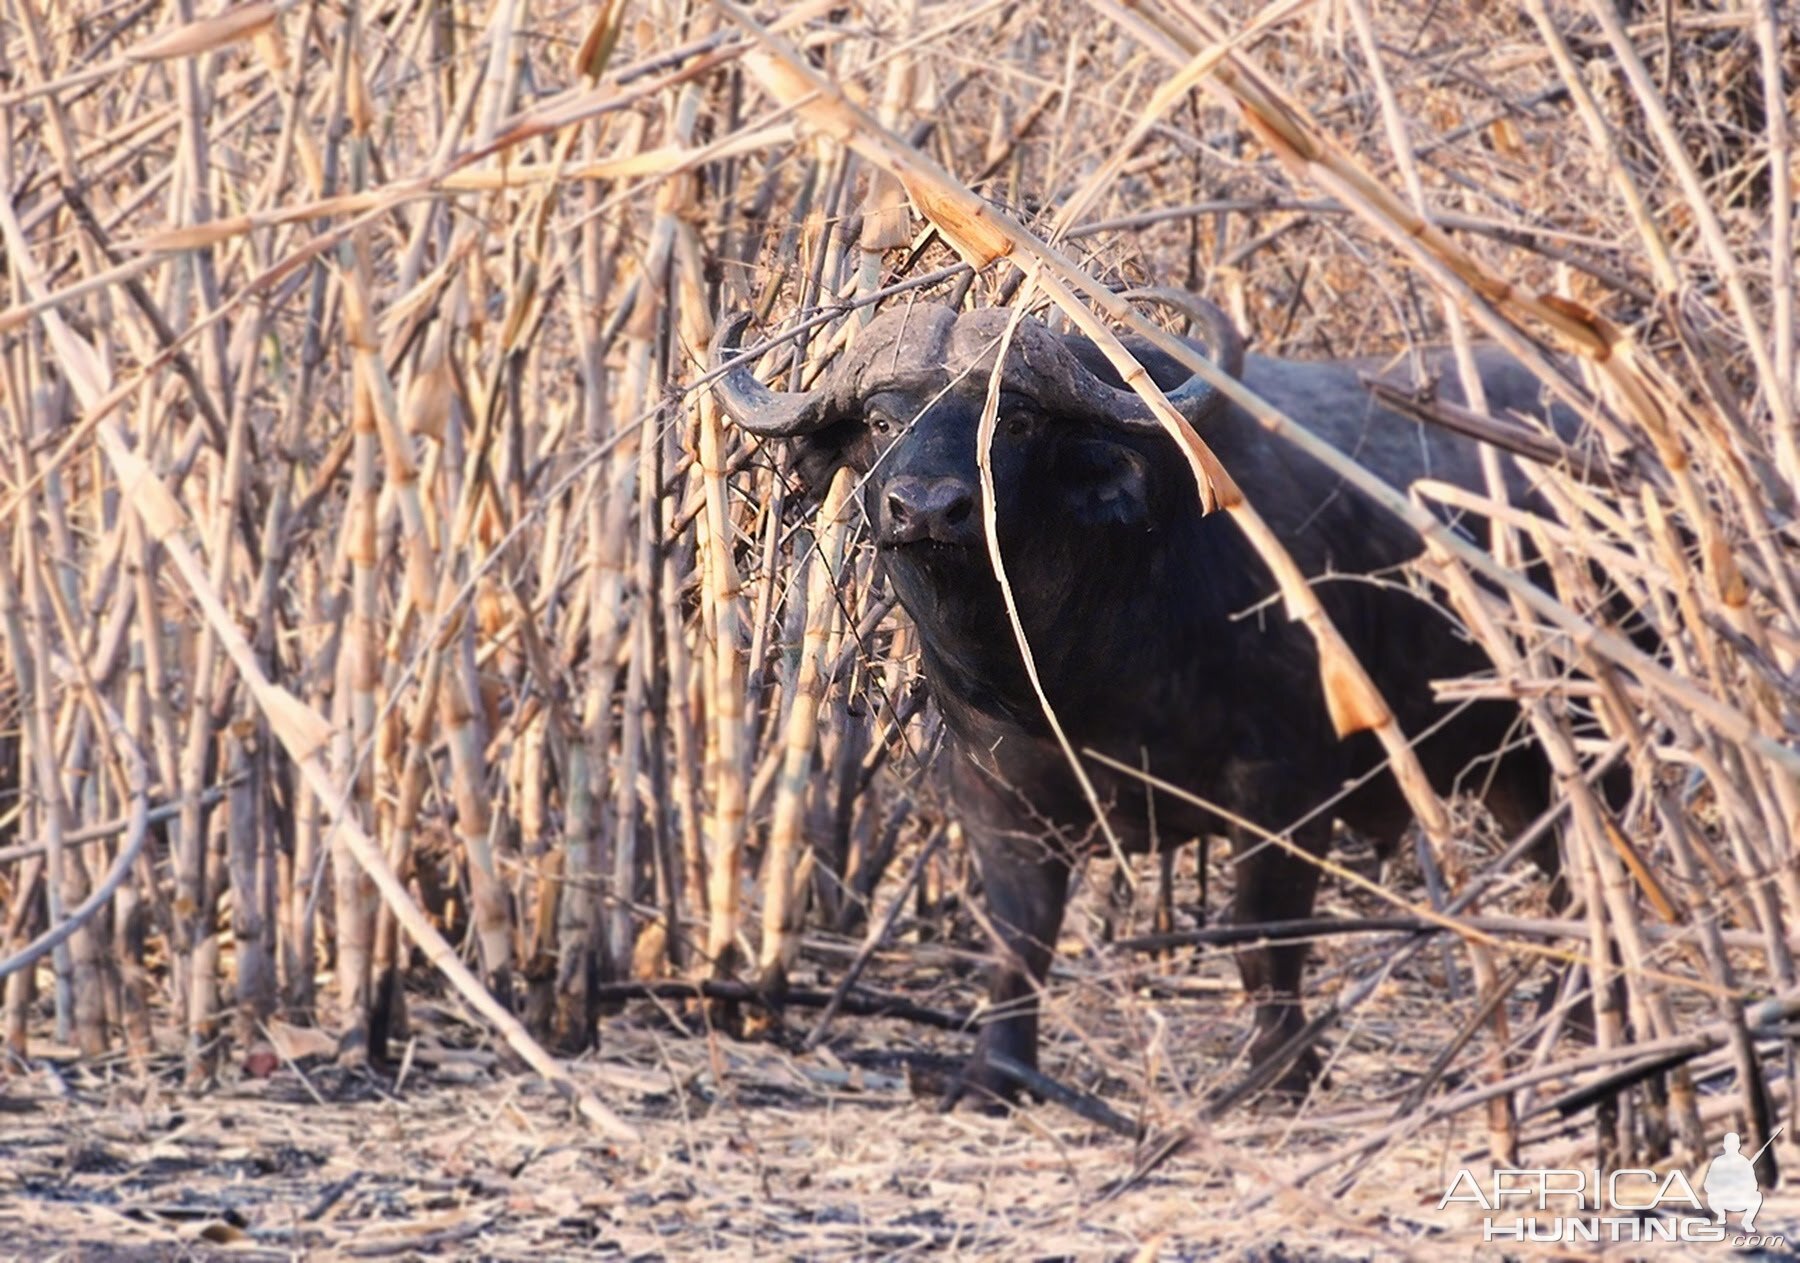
862,1003
1077,1102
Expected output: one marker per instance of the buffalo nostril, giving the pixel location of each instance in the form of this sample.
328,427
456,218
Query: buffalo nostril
917,508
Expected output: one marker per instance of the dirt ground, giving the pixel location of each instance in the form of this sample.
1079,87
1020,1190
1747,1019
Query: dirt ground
755,1151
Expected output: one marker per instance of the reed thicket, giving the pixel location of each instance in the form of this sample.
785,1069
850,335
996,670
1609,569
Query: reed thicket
381,586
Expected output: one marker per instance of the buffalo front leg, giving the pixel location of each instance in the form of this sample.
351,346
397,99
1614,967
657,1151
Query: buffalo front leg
1025,887
1274,884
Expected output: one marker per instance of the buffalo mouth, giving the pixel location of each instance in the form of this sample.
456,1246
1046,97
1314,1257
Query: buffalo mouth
926,545
936,536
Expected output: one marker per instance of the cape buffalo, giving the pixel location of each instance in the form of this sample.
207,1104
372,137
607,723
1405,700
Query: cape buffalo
1154,628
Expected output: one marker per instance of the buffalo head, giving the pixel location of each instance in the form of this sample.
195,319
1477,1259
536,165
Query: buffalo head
902,409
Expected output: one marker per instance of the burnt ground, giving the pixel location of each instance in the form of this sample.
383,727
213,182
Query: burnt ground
754,1149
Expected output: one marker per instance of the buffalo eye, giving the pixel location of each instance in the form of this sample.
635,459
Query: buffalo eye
880,424
1020,424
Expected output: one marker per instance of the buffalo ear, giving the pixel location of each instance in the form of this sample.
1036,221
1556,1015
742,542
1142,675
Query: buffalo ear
1110,486
814,459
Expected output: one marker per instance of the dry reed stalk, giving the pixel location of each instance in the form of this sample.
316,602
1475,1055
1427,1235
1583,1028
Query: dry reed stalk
388,1020
30,623
460,709
577,969
137,903
577,911
723,655
402,749
614,623
198,886
785,870
356,899
683,709
372,425
724,678
1784,334
251,859
65,876
460,701
641,764
614,558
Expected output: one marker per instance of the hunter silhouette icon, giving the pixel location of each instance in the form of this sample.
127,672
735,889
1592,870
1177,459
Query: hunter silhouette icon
1731,1184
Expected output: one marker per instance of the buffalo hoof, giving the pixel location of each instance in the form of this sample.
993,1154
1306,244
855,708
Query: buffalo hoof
1297,1080
983,1088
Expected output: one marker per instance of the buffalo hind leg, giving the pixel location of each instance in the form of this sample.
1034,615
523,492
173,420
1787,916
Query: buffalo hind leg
1025,887
1273,884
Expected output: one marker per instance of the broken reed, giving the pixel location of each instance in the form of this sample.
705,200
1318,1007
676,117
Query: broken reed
555,644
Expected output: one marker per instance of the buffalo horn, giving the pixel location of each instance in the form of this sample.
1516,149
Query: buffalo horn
1196,399
1224,344
753,405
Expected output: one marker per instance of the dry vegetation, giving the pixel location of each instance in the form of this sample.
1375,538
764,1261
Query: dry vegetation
403,664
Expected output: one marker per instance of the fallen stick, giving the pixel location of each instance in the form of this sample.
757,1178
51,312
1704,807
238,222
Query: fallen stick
1274,932
1084,1104
858,1002
1154,1156
1549,928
